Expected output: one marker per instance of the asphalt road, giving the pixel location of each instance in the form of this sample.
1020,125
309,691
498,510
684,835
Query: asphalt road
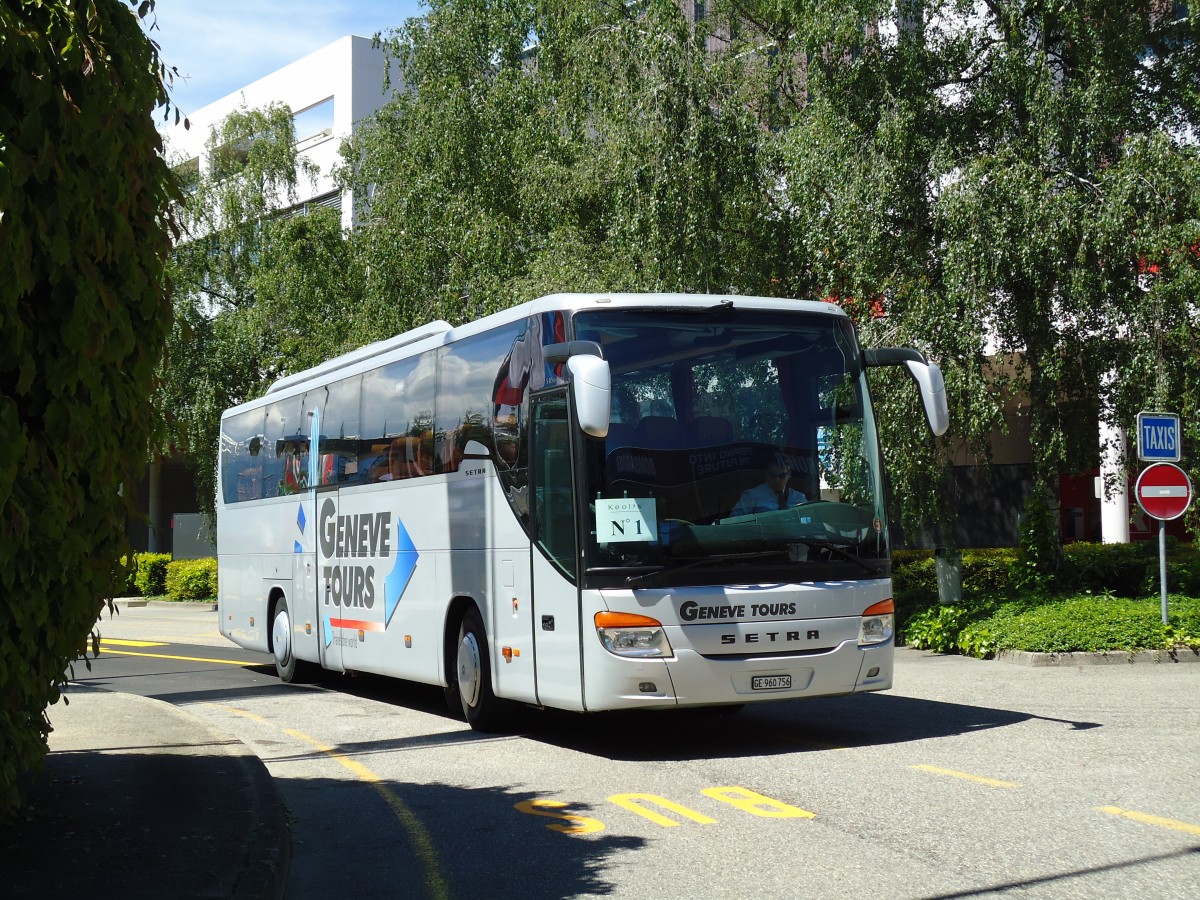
969,778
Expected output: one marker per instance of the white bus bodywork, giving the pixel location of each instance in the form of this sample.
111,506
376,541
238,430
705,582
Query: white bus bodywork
387,576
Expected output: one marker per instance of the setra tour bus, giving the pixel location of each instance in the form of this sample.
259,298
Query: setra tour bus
587,502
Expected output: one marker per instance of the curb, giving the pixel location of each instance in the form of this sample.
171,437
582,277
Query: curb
1109,658
139,602
141,798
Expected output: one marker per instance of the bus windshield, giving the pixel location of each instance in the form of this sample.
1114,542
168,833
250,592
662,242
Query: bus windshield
742,450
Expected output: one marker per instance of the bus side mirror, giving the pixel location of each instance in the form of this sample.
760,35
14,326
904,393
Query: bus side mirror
591,383
927,376
933,394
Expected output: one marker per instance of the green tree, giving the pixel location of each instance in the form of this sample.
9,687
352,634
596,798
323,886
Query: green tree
565,145
995,175
553,145
259,289
84,196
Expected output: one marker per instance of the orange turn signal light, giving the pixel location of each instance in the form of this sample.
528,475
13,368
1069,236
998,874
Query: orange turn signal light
882,608
625,620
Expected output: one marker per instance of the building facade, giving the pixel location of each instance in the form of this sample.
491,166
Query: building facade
330,92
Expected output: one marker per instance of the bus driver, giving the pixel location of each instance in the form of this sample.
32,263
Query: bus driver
774,493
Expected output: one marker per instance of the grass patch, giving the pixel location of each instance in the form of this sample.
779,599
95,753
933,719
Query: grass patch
1064,624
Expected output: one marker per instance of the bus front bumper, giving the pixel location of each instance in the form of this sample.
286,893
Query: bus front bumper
690,679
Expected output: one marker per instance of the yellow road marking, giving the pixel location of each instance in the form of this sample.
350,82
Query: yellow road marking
224,662
243,713
966,776
435,884
805,742
757,804
632,802
1147,819
117,642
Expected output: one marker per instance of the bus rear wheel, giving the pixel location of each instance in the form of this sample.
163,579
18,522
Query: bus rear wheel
289,669
473,674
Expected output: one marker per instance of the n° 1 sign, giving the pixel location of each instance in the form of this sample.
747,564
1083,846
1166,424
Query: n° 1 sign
1163,491
1158,437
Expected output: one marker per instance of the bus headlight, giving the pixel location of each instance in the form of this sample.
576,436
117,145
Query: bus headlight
878,624
630,635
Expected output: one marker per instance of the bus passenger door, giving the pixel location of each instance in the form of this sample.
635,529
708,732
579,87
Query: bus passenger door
329,634
554,560
304,600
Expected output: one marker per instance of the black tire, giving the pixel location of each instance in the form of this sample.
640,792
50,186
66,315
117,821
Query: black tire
473,675
289,669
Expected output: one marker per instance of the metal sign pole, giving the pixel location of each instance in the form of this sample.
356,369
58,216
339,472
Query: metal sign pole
1162,564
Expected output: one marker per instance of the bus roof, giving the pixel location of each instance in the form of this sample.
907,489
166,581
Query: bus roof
439,332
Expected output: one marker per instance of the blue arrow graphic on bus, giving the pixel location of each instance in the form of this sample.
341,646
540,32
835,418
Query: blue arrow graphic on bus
328,632
398,578
300,523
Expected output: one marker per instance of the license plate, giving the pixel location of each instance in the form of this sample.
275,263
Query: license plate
770,682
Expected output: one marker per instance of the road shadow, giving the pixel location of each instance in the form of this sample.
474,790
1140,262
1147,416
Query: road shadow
819,724
762,729
175,820
790,726
441,840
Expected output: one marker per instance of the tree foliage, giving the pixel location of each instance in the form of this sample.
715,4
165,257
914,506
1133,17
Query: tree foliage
257,290
1007,177
83,236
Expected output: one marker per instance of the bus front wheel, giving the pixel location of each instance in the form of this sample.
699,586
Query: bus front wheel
473,671
289,669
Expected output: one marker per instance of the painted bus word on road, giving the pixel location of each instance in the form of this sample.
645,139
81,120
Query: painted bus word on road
655,809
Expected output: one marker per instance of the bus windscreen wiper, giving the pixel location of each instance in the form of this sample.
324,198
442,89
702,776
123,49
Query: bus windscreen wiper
841,551
715,558
723,306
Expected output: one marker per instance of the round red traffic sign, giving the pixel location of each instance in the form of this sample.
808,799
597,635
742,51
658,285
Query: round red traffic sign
1163,491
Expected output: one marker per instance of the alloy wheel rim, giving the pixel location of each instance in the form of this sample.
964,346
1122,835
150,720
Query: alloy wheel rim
281,635
468,670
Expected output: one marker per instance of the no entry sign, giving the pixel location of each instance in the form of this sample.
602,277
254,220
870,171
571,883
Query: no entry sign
1163,491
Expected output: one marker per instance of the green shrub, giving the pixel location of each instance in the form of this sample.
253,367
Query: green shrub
1183,570
124,582
985,572
192,579
151,576
1088,624
914,570
1117,569
988,571
936,628
978,640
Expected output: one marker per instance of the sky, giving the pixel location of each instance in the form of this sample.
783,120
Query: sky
219,46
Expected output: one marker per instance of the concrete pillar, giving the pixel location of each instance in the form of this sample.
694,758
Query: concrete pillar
1114,485
154,512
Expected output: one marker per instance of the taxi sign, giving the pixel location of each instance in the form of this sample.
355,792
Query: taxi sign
1163,491
1158,437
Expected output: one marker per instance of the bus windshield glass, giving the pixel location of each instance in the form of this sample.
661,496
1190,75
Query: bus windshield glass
742,450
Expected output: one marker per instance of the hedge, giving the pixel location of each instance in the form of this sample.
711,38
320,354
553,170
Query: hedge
1120,570
192,579
1105,598
150,580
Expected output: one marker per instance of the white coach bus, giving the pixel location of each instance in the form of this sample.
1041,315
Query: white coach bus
562,505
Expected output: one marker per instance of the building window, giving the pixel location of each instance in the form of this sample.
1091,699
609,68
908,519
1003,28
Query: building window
315,121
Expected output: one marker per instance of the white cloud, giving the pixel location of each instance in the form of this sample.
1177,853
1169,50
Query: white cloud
218,46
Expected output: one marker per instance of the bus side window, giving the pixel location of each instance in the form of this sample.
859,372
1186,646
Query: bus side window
242,456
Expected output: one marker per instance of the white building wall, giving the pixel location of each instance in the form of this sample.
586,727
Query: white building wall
346,75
